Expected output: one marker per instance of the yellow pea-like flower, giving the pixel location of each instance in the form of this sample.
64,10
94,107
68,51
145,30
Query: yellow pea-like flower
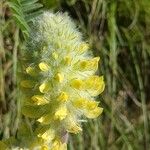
91,104
58,145
79,103
67,60
74,128
94,113
39,100
48,135
44,147
83,47
31,71
46,119
59,77
61,113
94,85
43,66
88,65
77,84
44,87
63,97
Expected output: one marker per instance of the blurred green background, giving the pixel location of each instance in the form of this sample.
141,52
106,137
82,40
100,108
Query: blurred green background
119,32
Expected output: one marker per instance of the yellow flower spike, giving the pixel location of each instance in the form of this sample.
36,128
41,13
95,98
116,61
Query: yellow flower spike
74,128
77,84
44,147
61,113
43,66
55,55
27,84
31,71
39,100
63,97
94,113
69,87
44,87
67,60
59,77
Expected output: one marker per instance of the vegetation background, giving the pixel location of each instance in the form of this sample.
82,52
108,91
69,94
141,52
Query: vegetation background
119,32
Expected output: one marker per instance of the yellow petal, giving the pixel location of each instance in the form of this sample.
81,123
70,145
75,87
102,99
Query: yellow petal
31,71
27,84
94,85
83,64
77,84
59,77
79,103
61,113
41,119
58,145
48,135
94,113
46,119
63,97
88,65
44,147
91,104
83,47
43,66
74,128
44,87
39,99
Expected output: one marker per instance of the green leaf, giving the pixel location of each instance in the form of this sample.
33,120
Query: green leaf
30,16
29,8
23,11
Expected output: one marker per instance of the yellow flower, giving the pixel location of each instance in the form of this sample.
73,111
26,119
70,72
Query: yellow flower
61,113
43,66
59,77
58,145
74,128
44,87
31,71
94,113
63,97
44,147
39,100
77,84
